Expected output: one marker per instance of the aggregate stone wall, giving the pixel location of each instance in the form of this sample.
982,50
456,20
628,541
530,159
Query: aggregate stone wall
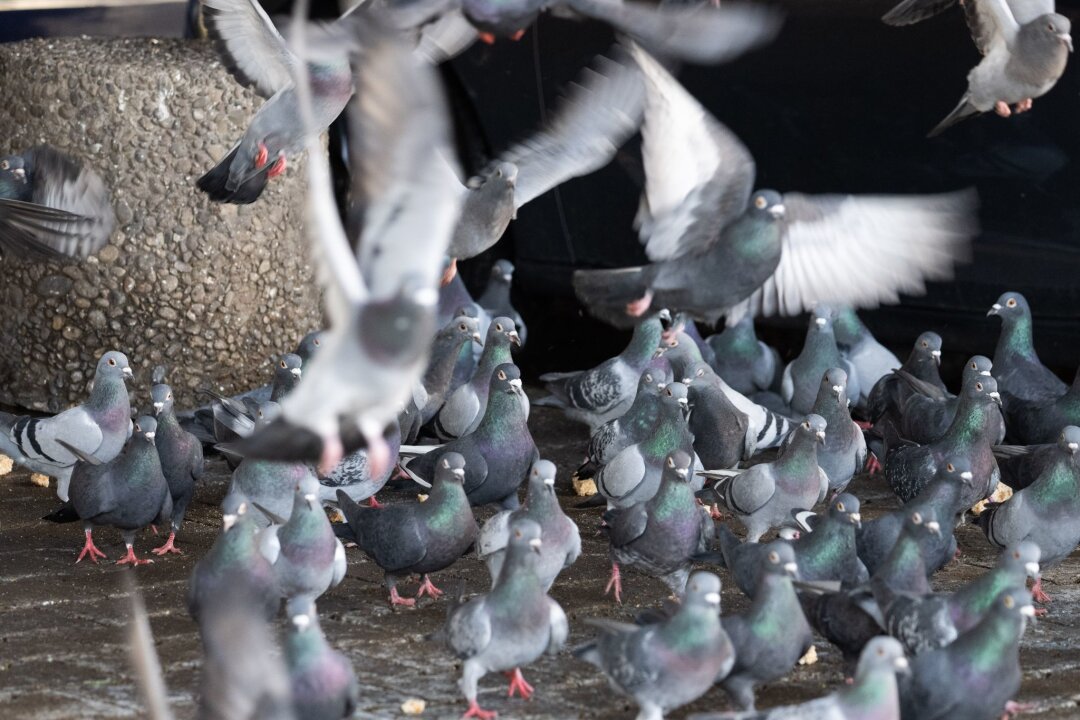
211,291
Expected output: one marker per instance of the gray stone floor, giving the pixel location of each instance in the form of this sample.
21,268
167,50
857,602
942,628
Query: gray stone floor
62,652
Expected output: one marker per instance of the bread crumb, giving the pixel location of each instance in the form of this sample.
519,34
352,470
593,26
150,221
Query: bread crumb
810,657
413,706
584,488
40,480
6,465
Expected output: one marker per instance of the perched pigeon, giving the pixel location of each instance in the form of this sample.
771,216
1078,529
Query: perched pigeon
353,475
670,663
872,696
99,427
887,396
562,543
465,406
416,538
844,451
765,428
469,357
929,411
1024,45
722,433
771,636
870,359
181,456
661,535
323,682
496,296
744,362
607,390
763,496
1047,512
1036,423
1017,368
801,381
52,206
498,454
510,626
716,248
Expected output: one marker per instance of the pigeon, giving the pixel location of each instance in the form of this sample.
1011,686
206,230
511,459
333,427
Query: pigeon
309,559
455,340
635,425
801,381
844,451
469,357
510,626
872,696
722,433
761,253
308,346
670,663
234,560
764,495
661,535
270,484
181,457
909,468
1017,368
324,685
455,299
498,454
633,476
1021,465
128,492
464,407
1047,512
870,359
887,396
771,636
99,427
971,602
52,206
353,474
380,301
1024,45
416,538
607,390
1038,423
765,428
258,57
929,411
562,542
684,326
977,674
744,362
744,559
681,351
496,296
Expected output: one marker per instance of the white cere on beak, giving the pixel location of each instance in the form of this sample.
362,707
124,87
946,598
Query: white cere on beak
1032,568
901,663
302,622
791,568
966,475
984,373
127,372
683,401
515,383
19,173
820,434
1073,447
857,517
777,211
310,497
159,406
549,481
996,395
535,543
838,389
995,307
1027,610
681,472
458,472
819,321
227,521
935,353
712,598
934,527
296,371
150,435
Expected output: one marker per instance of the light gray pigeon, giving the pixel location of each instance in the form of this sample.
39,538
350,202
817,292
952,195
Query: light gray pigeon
670,663
802,376
465,406
743,361
324,685
764,495
716,248
562,542
869,359
496,296
1024,43
99,427
510,626
843,454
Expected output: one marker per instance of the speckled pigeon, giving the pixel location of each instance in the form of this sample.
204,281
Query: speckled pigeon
744,362
843,454
181,456
322,679
869,359
802,377
929,411
1017,368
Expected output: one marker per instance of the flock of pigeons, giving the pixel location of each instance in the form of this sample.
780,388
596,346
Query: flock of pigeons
412,370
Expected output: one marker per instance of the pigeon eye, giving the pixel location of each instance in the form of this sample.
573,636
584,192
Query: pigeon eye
760,202
806,424
1016,554
112,362
169,396
1011,302
283,364
978,386
700,372
925,344
502,375
648,378
668,392
670,463
137,428
840,506
916,518
774,557
517,534
1009,602
499,327
462,327
950,467
445,463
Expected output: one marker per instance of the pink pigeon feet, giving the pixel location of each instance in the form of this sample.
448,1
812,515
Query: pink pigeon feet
518,685
373,503
638,307
168,547
615,582
332,452
1023,106
1038,594
277,169
1002,108
1013,708
451,269
261,156
475,711
91,549
873,465
863,424
396,599
130,558
428,588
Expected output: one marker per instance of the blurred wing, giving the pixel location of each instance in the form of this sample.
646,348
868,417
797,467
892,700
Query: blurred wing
446,38
991,22
601,111
863,251
251,47
910,12
700,33
1024,11
698,175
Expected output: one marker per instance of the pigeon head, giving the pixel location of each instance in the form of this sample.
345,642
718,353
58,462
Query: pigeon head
695,371
507,379
468,310
1014,601
450,468
677,466
978,366
1024,554
983,387
675,395
525,536
703,590
502,327
114,364
266,413
919,523
1010,306
233,507
665,318
14,183
846,507
503,177
928,345
849,329
503,270
779,559
1069,440
767,204
654,379
834,384
882,653
307,491
145,428
542,477
814,426
468,328
288,365
1046,32
398,329
821,317
162,398
958,469
310,345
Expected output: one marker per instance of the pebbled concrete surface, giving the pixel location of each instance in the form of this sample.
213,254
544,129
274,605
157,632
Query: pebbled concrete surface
62,653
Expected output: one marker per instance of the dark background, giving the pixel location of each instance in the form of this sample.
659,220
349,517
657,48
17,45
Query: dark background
839,103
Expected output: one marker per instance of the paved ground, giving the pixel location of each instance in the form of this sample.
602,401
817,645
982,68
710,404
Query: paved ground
61,625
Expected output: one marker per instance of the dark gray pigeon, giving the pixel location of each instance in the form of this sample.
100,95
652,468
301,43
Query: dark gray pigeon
887,396
99,427
763,496
52,206
972,602
1017,368
454,340
1024,45
801,380
1021,465
746,363
498,454
562,542
416,538
606,391
322,679
670,663
510,626
929,411
744,559
660,536
181,457
869,359
465,406
765,428
771,636
1038,422
353,474
716,248
309,345
723,436
843,454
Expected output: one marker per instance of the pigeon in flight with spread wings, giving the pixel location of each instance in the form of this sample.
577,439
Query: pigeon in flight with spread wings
717,248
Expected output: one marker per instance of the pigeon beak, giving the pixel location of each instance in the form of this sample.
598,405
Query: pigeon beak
20,173
549,482
791,569
820,322
477,339
777,211
514,338
150,436
683,402
1027,610
1067,39
934,527
515,386
994,310
1032,569
1073,447
936,354
681,472
966,475
996,396
158,407
227,521
901,665
459,473
296,371
820,436
127,373
535,544
857,519
687,381
712,598
984,373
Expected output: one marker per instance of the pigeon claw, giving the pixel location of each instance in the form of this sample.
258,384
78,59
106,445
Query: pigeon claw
1024,105
637,308
449,273
396,599
475,711
428,588
615,582
873,465
373,503
488,39
90,549
168,547
1002,108
277,169
1038,594
518,685
261,156
332,452
521,33
131,559
1013,708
